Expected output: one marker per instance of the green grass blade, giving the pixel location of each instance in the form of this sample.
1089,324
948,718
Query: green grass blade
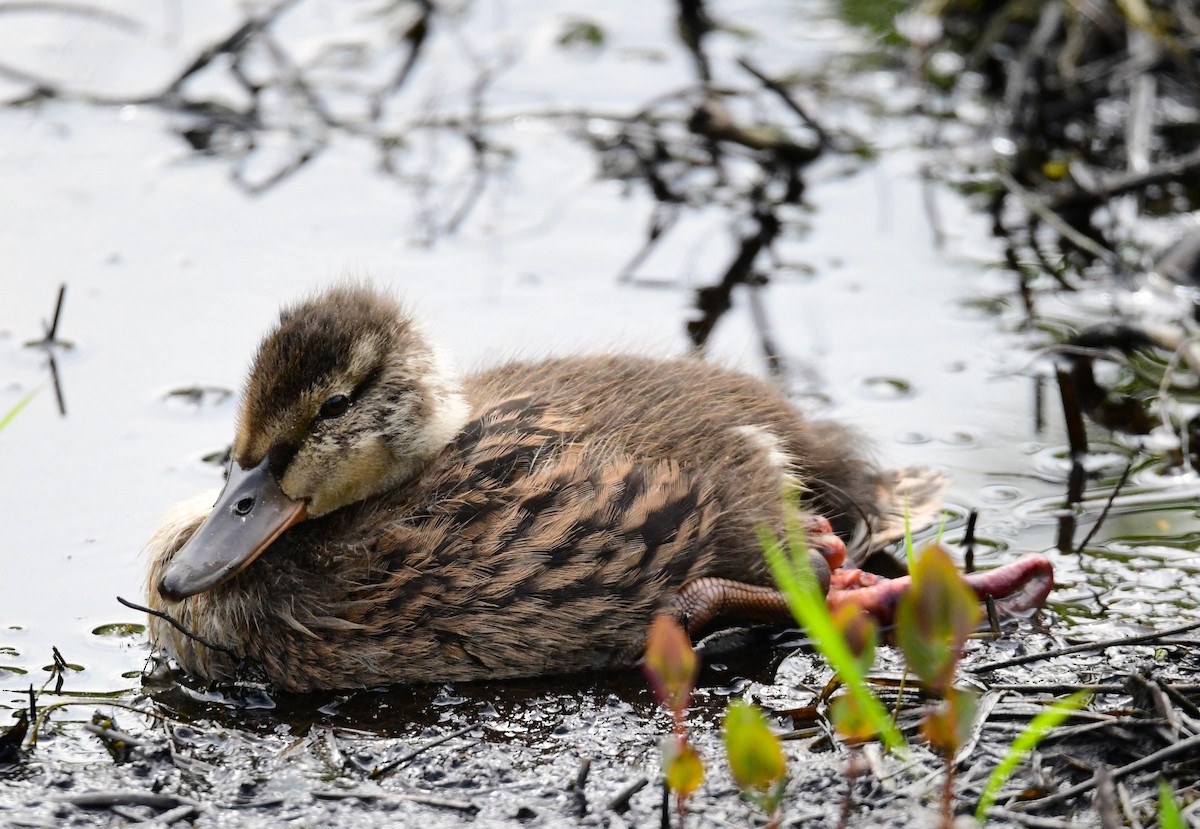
807,603
1027,741
15,410
910,552
1169,816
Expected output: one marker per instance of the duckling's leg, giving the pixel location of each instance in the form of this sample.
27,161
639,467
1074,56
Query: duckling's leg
1018,586
705,599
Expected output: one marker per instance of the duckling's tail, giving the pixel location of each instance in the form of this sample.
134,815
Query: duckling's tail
915,489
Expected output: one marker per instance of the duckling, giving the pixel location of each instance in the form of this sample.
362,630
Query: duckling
386,521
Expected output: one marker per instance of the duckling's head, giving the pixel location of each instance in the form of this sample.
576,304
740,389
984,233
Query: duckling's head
345,399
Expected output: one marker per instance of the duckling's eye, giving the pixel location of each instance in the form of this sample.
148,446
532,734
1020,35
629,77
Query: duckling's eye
335,406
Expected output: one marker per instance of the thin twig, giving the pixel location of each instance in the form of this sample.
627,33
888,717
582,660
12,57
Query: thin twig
167,818
384,770
1151,761
104,800
229,45
1107,506
404,797
620,801
1084,648
577,786
112,734
1035,206
52,330
54,379
179,627
1179,169
775,86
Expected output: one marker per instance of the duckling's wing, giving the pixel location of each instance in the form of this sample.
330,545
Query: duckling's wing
556,570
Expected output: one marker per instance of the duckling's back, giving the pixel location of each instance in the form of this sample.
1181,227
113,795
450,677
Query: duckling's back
731,431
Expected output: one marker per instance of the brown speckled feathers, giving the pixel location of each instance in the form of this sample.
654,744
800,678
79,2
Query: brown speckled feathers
575,502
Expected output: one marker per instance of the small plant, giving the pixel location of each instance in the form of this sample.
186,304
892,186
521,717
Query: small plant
934,618
755,758
933,622
671,666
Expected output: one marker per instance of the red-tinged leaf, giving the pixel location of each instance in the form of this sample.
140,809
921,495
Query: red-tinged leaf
947,725
755,754
935,618
682,767
860,632
850,721
670,664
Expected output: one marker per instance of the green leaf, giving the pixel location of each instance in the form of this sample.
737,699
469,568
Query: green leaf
910,553
755,754
794,576
1027,741
1169,816
934,619
851,721
682,767
670,664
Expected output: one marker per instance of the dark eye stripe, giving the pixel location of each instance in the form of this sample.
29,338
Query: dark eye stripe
280,456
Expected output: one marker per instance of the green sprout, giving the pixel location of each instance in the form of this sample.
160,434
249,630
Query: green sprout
671,666
796,580
1027,741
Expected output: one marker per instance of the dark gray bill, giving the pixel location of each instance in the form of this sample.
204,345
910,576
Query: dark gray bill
250,513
